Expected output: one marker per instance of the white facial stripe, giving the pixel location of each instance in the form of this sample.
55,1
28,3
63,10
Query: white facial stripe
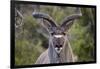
58,36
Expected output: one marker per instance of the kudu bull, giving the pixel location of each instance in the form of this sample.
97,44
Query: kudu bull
59,50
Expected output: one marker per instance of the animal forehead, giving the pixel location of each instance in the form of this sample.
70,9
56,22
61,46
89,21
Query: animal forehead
57,30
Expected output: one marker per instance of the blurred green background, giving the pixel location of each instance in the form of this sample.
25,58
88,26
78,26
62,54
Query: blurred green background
31,39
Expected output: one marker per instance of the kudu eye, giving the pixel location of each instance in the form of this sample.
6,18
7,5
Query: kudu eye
64,33
60,45
52,33
56,46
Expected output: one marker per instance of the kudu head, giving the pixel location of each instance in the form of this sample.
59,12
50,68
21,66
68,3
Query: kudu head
57,33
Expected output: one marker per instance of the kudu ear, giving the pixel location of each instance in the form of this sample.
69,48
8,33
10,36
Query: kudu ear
48,22
68,21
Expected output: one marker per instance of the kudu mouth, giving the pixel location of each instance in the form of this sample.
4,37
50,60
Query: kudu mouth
58,48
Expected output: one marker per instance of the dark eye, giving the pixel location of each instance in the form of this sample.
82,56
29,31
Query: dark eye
60,45
56,46
52,33
64,33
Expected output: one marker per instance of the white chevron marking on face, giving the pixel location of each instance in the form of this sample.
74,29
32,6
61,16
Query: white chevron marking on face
58,36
